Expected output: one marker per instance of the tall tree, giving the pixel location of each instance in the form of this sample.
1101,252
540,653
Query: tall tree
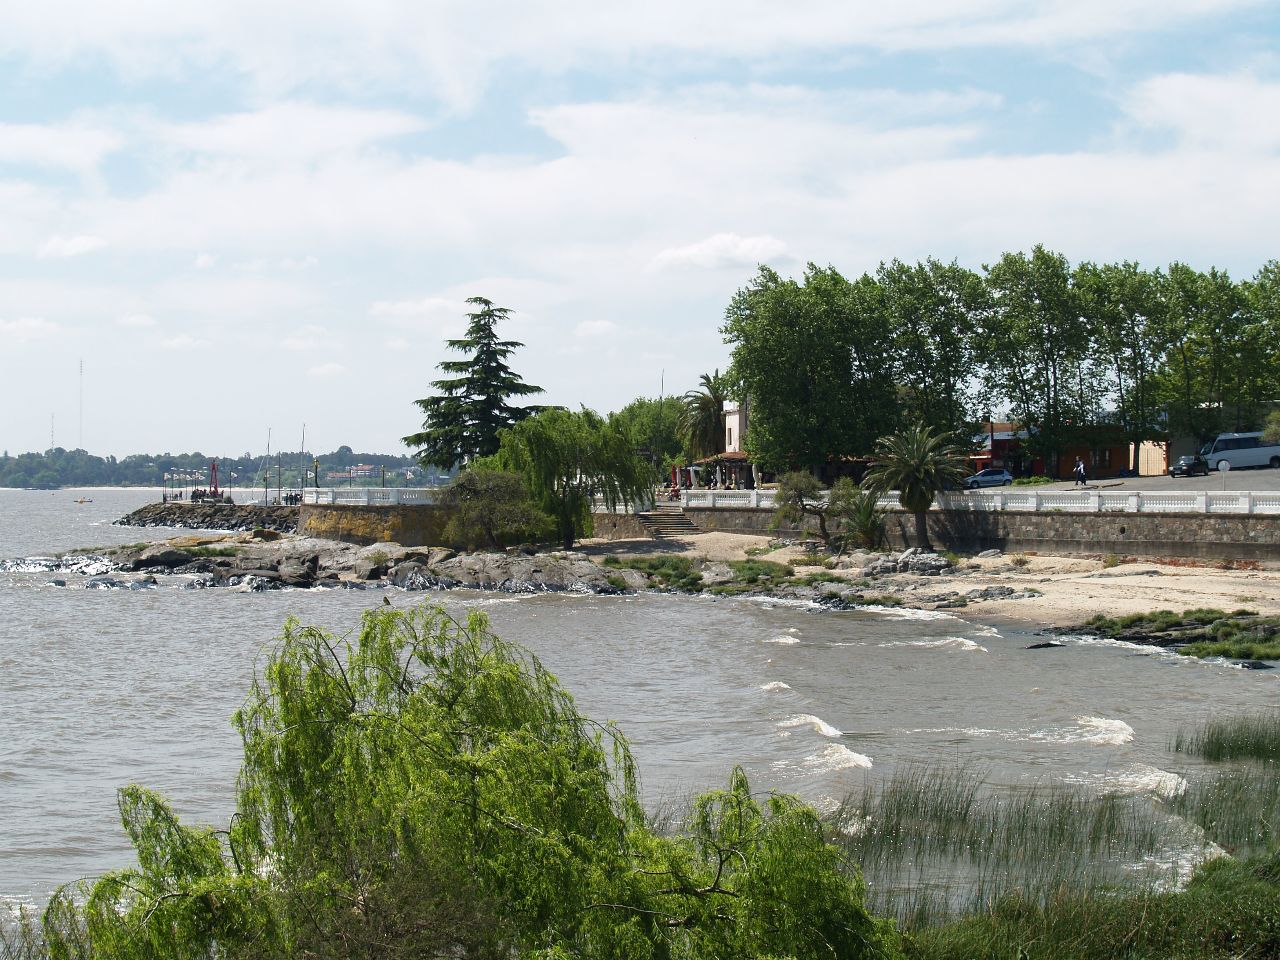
462,421
1037,349
702,416
1123,307
1212,353
567,458
917,463
931,309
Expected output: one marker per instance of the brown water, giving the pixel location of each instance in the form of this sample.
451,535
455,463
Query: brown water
99,688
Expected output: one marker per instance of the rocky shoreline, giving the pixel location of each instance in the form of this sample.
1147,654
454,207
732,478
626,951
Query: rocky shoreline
212,515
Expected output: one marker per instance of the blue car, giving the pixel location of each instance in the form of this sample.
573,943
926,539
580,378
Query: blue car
989,478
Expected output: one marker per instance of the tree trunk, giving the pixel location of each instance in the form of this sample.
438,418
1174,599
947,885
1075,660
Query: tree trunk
822,526
922,530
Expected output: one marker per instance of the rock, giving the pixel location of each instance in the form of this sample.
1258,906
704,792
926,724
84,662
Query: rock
1043,645
57,583
262,533
103,583
524,549
437,555
1253,664
987,554
160,555
369,568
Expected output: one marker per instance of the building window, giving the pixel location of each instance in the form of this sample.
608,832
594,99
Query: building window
728,438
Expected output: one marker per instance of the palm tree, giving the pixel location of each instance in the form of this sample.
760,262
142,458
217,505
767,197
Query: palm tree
917,463
702,420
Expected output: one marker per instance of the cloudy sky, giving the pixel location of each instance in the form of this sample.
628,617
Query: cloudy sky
243,215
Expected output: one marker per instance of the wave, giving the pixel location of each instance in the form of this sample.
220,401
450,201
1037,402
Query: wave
775,686
1139,779
955,643
1103,731
817,724
836,756
909,613
784,639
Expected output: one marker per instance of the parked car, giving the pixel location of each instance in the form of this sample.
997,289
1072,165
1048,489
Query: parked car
1189,466
989,478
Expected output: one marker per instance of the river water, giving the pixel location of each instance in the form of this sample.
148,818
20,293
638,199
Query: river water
99,688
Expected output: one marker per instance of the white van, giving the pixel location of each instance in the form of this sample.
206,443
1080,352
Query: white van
1230,451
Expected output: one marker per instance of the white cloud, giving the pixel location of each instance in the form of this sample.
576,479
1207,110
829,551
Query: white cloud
451,50
60,247
71,146
723,250
594,328
396,343
25,329
325,370
204,261
1212,113
292,132
136,320
184,342
308,338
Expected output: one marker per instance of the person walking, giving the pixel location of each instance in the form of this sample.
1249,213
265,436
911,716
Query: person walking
1078,470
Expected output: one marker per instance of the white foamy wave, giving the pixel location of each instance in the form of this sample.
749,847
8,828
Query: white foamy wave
908,613
817,724
965,731
1100,730
1139,779
775,686
784,639
954,643
836,756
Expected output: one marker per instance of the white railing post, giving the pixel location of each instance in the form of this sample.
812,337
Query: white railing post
711,498
1202,502
1035,501
1095,501
1248,501
1135,503
333,495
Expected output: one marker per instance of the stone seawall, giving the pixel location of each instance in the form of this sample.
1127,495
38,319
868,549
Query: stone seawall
1209,537
212,516
418,525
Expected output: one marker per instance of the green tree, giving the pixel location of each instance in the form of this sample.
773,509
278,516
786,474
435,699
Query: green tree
1271,427
568,458
931,311
1123,306
1037,348
800,495
430,790
654,426
702,416
791,356
918,463
462,421
490,508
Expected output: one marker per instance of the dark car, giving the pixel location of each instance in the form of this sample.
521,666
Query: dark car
1189,466
989,478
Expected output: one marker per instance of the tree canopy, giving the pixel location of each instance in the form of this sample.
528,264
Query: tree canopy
567,458
431,790
462,420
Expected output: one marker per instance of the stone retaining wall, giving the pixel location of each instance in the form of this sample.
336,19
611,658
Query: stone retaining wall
1204,536
418,525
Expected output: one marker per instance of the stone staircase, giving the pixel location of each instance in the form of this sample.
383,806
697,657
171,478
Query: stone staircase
667,520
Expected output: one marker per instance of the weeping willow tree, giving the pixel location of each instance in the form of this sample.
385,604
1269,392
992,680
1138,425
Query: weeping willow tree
431,791
567,458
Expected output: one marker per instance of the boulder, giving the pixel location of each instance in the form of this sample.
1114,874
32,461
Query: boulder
160,555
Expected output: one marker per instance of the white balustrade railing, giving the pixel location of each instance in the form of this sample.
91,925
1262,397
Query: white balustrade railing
1034,501
371,496
1043,501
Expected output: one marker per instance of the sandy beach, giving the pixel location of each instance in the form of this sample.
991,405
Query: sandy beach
1070,589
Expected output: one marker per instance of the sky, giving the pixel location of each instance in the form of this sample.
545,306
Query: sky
243,217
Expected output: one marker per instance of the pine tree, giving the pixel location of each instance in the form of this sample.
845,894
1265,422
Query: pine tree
463,419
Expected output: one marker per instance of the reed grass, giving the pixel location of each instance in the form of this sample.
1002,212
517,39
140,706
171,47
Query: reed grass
1237,809
1245,736
936,842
